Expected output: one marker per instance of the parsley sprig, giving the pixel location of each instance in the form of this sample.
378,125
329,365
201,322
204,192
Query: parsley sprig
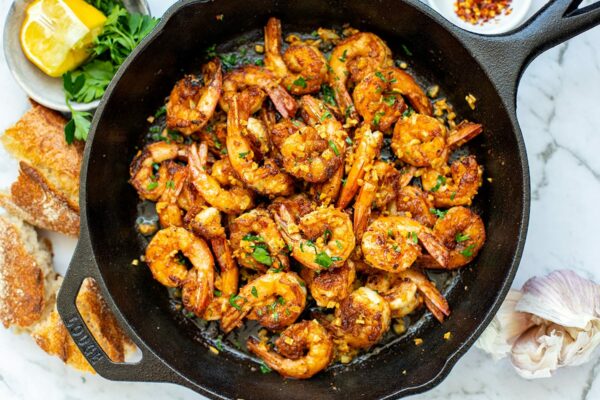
121,33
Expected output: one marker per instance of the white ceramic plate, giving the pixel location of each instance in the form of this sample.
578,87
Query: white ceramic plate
501,24
40,87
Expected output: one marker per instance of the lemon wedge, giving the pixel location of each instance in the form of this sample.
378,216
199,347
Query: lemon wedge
56,34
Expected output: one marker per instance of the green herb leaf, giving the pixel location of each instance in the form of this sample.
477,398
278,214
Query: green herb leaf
441,180
324,260
170,184
348,140
152,185
326,115
389,100
343,57
261,255
219,343
438,213
243,154
377,117
300,82
468,252
328,95
461,237
160,112
414,237
334,147
217,293
233,299
254,292
252,238
264,368
380,75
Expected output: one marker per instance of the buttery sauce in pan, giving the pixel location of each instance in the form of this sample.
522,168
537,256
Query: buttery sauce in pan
241,51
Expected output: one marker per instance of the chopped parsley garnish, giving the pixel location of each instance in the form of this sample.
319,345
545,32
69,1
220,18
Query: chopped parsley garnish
414,237
326,115
326,235
377,117
328,95
441,180
254,291
461,237
243,154
252,238
324,260
264,368
343,57
379,74
408,112
219,343
170,184
217,293
438,213
468,252
233,301
453,195
338,244
389,100
152,185
261,255
160,112
334,147
348,140
300,82
259,62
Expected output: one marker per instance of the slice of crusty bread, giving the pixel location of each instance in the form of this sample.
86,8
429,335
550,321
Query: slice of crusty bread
32,199
28,288
38,139
25,267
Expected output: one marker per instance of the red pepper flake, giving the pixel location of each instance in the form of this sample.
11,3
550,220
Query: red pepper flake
478,12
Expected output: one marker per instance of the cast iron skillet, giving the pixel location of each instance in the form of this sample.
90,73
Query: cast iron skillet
461,62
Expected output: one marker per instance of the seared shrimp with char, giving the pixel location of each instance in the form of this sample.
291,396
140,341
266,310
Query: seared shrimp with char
304,349
192,103
302,67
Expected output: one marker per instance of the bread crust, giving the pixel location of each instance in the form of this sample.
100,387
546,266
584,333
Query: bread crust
38,138
32,199
23,270
28,288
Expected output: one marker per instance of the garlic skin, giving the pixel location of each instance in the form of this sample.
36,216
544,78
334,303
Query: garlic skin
554,321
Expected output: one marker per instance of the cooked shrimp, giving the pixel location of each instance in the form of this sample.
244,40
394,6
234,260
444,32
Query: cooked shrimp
463,233
255,81
232,201
314,153
458,189
302,67
408,290
420,140
167,207
412,202
321,239
215,135
267,179
257,243
167,267
148,175
305,349
392,243
380,186
361,319
368,144
354,58
275,299
314,111
463,132
330,287
191,104
207,224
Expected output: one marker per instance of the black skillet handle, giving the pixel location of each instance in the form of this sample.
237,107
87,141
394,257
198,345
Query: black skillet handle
506,56
148,369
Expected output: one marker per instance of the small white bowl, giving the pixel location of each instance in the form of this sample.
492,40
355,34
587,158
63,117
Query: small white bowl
502,23
40,87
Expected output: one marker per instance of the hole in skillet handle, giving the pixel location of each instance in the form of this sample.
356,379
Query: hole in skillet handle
506,56
148,369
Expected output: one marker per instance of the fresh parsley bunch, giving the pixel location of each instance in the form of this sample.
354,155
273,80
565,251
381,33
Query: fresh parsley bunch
122,32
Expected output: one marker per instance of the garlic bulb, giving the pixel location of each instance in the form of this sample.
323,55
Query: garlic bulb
554,321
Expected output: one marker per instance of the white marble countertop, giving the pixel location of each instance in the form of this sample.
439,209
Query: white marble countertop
559,114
